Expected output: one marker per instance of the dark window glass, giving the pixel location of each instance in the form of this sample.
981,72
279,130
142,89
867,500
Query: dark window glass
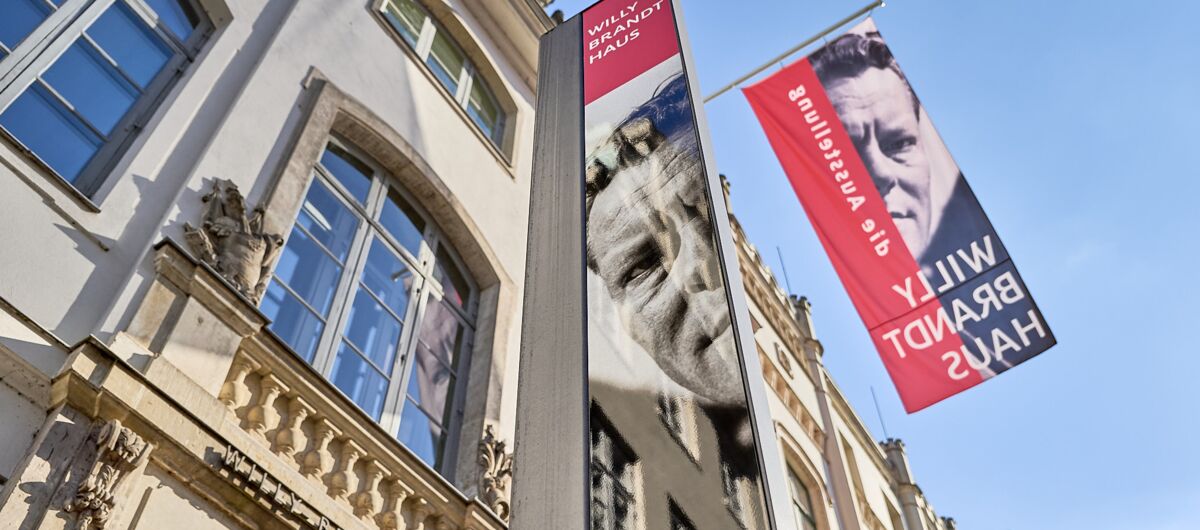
328,220
299,327
421,435
18,18
91,85
350,171
454,283
430,385
388,278
55,135
402,222
446,61
407,18
360,381
484,110
131,43
308,271
176,16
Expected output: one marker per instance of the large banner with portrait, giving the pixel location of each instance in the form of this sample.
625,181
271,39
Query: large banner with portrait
937,290
671,431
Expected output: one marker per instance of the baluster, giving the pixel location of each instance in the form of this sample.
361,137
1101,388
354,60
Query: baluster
287,439
368,500
420,511
342,481
443,523
234,392
318,460
263,416
391,517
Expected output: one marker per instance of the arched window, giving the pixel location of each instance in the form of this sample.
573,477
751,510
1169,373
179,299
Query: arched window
801,502
369,292
79,78
449,64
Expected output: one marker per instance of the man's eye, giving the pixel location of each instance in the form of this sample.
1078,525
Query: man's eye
649,260
900,146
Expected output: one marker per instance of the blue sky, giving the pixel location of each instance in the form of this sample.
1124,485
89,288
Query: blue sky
1075,123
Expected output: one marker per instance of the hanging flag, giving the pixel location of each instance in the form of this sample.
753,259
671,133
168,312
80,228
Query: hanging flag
937,290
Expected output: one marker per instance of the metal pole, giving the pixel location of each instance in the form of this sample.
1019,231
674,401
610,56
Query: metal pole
796,48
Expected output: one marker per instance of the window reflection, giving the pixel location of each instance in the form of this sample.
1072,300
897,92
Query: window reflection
371,353
83,98
18,18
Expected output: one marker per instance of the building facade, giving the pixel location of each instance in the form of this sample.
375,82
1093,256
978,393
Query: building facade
838,475
262,268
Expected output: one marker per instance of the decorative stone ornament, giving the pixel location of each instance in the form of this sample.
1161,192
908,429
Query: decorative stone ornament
232,243
497,472
118,451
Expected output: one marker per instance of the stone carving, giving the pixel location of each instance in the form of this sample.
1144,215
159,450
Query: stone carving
233,243
118,451
497,472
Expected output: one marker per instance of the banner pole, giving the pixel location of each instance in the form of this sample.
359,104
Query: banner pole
796,48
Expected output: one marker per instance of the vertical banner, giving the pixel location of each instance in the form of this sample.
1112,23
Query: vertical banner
673,439
937,290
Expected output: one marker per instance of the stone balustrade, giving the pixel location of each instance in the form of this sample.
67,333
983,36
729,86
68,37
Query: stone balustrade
320,434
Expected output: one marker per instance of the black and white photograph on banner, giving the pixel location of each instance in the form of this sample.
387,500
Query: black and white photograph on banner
661,339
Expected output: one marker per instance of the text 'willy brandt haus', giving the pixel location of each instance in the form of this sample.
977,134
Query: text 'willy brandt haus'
986,300
618,30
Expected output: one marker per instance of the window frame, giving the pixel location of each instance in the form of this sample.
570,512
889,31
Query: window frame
499,136
425,290
809,518
23,68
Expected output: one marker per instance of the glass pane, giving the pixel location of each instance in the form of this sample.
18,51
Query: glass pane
430,385
420,435
374,331
92,86
176,16
359,381
402,221
351,172
408,18
50,131
328,220
454,284
388,277
441,333
446,61
308,271
125,38
18,18
482,108
291,321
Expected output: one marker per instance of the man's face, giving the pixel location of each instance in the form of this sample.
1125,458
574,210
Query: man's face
877,110
651,241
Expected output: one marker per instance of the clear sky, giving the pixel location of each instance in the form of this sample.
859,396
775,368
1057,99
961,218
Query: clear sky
1073,121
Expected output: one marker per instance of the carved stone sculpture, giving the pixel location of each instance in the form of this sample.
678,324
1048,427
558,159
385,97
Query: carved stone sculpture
118,451
497,472
233,243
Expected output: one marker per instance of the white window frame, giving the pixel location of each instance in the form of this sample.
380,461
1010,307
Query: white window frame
425,290
467,78
41,49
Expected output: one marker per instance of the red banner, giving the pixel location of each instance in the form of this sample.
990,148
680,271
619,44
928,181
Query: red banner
934,285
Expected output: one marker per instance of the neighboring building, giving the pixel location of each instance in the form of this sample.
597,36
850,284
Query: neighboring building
156,374
171,356
839,477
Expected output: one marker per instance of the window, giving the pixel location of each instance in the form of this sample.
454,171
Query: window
677,416
76,93
613,480
734,501
679,520
368,292
801,502
449,64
